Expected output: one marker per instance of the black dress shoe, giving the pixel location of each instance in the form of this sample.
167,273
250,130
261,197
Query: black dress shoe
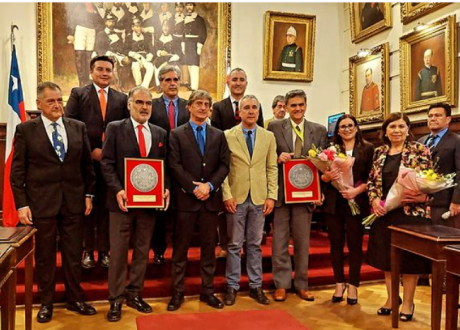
337,299
211,300
259,296
81,308
45,313
114,313
176,301
104,259
158,259
139,304
230,296
88,260
386,311
407,317
352,301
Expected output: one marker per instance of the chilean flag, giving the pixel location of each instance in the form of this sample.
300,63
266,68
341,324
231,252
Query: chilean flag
16,115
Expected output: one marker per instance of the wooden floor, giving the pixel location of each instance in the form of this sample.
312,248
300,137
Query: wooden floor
318,315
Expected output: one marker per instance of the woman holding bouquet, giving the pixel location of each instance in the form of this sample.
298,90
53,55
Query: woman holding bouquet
397,151
339,217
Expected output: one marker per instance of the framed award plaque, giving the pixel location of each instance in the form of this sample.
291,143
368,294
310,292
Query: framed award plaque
144,183
301,182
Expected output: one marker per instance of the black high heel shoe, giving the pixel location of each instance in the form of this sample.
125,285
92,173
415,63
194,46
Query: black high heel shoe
382,311
352,301
336,299
407,317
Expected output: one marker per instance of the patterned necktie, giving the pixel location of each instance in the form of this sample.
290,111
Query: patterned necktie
58,142
249,143
200,138
237,113
298,143
172,123
142,146
431,140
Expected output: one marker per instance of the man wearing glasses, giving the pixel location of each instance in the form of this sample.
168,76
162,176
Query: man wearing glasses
169,112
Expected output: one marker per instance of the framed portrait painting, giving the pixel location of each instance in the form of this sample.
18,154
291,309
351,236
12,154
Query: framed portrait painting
368,19
428,66
289,46
141,38
411,11
369,85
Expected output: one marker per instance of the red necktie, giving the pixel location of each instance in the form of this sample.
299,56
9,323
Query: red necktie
142,147
171,115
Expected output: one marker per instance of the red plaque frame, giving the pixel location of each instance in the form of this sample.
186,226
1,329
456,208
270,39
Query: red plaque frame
292,194
138,199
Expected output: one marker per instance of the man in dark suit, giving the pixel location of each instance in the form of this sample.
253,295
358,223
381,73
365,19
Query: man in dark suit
445,152
130,138
199,162
225,113
52,179
294,137
169,112
97,105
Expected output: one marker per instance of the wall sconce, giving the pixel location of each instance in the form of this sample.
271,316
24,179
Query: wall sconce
363,52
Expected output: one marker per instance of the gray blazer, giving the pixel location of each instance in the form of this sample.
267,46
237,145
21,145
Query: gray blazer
313,134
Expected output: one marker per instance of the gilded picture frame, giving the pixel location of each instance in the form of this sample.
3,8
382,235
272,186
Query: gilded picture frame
289,46
369,83
368,19
411,11
56,56
428,66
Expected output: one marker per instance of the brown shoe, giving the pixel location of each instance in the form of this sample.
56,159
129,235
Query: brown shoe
221,254
305,295
280,295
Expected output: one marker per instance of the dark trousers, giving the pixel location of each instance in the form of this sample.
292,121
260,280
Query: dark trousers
141,222
159,234
70,229
436,213
183,231
339,226
222,231
97,223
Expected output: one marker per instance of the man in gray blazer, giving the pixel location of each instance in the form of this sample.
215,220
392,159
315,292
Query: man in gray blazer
294,137
445,152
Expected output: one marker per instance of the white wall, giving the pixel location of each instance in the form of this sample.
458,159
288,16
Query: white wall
24,16
248,50
392,37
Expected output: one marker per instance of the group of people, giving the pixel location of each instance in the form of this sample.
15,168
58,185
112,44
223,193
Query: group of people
224,172
137,38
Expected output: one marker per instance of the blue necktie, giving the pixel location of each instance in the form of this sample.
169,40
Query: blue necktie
249,143
431,140
58,142
200,138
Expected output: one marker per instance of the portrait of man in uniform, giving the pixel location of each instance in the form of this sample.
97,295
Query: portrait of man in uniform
291,58
370,99
428,82
368,86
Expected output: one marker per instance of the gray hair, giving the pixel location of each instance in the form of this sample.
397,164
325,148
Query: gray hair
248,97
238,70
169,68
295,93
138,89
278,98
199,94
47,85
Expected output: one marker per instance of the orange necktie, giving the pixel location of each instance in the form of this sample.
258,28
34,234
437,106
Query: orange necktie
103,103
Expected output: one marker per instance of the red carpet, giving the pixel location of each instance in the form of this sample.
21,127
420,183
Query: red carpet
243,320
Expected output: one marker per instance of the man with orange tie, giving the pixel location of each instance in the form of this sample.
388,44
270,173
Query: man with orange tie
97,105
169,112
134,137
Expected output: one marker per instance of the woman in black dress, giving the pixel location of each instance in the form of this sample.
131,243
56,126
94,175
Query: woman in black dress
397,151
339,219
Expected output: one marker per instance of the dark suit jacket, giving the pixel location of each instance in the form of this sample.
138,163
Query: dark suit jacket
38,177
223,116
121,143
447,156
313,134
84,105
160,116
361,169
187,164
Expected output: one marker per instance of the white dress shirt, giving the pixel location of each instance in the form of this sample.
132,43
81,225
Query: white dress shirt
106,92
60,128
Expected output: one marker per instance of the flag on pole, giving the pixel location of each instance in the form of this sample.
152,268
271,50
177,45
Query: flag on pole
16,115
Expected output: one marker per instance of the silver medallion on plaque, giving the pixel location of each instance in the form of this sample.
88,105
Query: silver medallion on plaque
144,178
301,176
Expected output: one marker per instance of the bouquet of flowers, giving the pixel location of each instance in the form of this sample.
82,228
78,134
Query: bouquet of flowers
413,185
331,158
